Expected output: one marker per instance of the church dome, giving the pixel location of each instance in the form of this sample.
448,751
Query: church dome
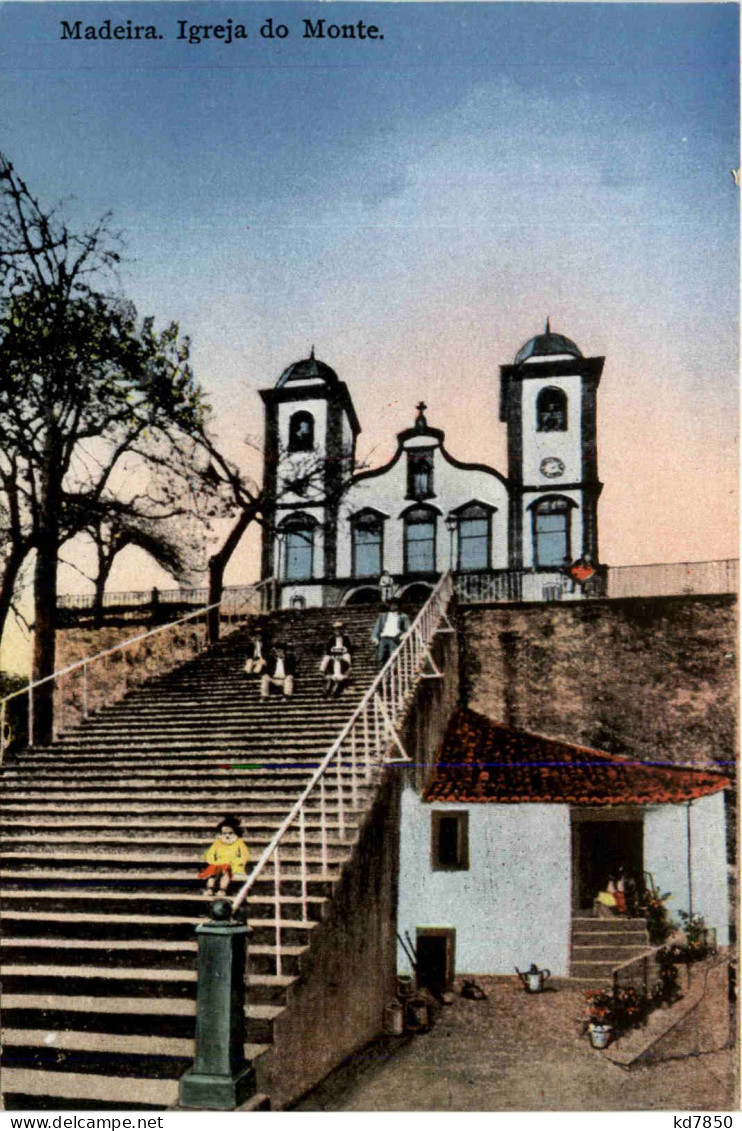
547,344
309,369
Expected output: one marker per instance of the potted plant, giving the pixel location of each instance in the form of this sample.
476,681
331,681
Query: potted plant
599,1017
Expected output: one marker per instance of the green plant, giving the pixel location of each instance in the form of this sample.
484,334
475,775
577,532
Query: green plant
694,927
651,905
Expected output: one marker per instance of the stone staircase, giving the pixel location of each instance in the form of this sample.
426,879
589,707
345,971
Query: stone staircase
102,834
600,945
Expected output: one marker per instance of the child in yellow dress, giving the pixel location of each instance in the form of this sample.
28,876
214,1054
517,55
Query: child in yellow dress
226,856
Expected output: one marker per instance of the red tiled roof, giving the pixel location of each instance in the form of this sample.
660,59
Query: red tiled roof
485,761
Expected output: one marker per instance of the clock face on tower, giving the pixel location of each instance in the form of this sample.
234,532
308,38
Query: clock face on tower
551,467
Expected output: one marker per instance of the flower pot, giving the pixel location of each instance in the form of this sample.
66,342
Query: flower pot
600,1035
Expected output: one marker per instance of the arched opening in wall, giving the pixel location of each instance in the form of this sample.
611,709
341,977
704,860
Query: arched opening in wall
551,410
416,594
301,432
298,534
365,595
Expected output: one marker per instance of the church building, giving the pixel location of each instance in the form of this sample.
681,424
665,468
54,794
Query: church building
529,535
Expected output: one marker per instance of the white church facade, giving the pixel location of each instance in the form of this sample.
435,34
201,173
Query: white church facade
333,533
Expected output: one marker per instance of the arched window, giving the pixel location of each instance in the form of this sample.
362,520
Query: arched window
298,554
551,411
301,432
419,540
368,539
551,541
474,523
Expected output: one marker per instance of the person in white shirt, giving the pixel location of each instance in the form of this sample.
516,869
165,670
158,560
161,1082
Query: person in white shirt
390,627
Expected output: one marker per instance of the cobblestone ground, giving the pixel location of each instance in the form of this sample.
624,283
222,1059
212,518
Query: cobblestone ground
518,1052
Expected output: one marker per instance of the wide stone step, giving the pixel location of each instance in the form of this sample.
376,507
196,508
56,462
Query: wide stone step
70,924
261,826
616,954
617,923
185,782
29,1088
598,969
189,904
246,790
193,842
613,938
114,1042
265,808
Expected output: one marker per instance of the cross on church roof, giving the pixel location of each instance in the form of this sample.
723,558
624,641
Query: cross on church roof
420,421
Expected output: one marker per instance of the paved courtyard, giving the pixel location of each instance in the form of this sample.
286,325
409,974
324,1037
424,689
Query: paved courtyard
518,1052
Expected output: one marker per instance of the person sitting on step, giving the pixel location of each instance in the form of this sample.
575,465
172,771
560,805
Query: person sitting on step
256,655
280,670
336,663
226,857
612,900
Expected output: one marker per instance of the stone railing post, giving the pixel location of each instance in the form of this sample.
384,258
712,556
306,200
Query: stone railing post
220,1078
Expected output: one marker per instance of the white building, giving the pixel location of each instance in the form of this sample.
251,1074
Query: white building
333,533
516,833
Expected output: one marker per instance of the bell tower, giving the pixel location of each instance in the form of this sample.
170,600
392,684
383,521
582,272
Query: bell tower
548,400
310,436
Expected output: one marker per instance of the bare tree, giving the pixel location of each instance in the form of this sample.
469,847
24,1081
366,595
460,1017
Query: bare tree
83,386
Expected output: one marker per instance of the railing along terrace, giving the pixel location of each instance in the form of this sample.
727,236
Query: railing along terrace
362,747
494,585
85,686
134,598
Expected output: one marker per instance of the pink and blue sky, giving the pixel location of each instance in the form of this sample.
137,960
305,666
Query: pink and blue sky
415,207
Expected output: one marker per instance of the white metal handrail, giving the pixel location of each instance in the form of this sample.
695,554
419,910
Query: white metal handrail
155,656
362,744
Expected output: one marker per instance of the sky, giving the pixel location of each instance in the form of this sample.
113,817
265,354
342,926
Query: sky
415,206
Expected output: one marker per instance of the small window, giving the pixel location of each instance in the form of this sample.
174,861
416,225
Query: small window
449,847
301,432
420,475
419,541
551,411
367,545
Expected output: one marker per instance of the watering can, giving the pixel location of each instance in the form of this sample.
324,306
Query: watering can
533,979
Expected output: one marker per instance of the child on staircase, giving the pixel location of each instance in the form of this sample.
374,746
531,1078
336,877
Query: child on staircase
227,856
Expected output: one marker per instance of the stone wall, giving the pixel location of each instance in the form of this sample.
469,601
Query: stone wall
653,678
348,974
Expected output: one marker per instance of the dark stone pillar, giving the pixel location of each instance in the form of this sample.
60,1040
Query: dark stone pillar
220,1078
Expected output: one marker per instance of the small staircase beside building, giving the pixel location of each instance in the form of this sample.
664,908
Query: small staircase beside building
599,946
102,834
